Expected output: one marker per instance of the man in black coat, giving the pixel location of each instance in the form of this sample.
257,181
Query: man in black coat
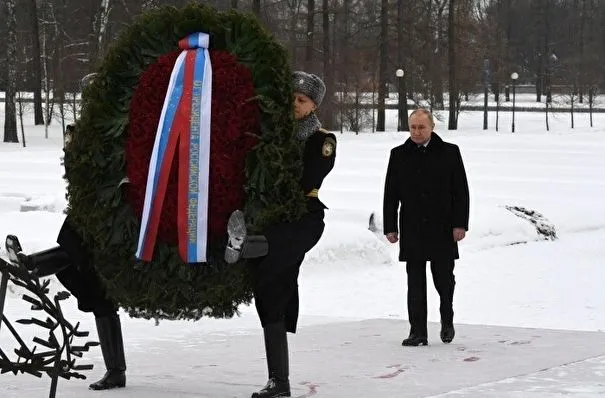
426,184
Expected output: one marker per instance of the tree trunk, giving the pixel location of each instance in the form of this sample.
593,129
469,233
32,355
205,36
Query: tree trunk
540,63
293,39
37,64
402,96
10,115
590,103
582,80
602,46
233,3
437,78
59,76
453,88
49,105
572,109
345,65
310,33
347,32
328,72
100,22
382,68
256,7
548,77
547,124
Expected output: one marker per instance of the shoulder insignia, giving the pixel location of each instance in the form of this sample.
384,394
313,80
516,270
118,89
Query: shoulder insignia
327,149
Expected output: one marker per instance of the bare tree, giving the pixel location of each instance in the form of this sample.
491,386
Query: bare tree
59,76
100,23
328,70
573,97
37,64
547,104
294,9
22,108
581,44
453,83
437,58
515,35
343,71
310,34
401,96
10,116
382,68
542,36
47,55
591,96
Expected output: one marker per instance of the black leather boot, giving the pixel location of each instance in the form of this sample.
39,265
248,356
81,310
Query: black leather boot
240,244
276,348
44,263
112,347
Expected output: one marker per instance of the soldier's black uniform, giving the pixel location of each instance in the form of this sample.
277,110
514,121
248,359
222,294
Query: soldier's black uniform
282,249
79,277
276,287
71,262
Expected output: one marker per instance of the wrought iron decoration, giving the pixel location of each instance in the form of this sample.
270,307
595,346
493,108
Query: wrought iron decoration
55,354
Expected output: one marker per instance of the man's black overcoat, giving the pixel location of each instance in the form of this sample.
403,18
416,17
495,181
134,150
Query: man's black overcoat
428,189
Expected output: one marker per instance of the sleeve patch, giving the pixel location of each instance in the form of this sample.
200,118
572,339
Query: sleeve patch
328,147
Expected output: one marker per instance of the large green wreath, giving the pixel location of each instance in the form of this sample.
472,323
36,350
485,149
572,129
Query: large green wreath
168,288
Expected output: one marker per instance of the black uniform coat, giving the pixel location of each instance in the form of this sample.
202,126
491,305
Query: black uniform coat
429,189
80,277
276,284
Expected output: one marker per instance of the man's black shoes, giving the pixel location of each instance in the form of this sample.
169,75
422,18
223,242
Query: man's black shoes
447,336
447,332
414,341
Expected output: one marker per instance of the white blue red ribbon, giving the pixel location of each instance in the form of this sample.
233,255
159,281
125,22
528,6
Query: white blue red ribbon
184,124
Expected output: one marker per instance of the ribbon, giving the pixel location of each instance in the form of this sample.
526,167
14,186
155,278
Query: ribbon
184,125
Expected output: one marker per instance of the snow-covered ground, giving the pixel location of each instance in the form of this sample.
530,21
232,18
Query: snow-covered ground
353,306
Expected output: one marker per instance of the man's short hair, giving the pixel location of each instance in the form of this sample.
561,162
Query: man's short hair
423,112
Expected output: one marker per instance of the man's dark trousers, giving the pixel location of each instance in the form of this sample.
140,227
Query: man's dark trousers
443,278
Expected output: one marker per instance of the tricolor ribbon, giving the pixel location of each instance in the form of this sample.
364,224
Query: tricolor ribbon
184,124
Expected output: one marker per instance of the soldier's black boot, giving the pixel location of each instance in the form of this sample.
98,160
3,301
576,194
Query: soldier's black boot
276,348
44,263
240,244
112,347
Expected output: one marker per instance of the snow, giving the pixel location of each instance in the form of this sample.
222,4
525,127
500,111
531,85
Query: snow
512,286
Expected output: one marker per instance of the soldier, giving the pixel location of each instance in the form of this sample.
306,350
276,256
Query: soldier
71,262
281,250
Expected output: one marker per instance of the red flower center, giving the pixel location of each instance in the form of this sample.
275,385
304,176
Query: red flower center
234,117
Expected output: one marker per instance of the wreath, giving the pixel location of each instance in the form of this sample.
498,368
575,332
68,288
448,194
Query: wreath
255,160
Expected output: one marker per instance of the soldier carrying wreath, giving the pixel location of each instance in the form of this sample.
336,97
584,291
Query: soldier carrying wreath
188,119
